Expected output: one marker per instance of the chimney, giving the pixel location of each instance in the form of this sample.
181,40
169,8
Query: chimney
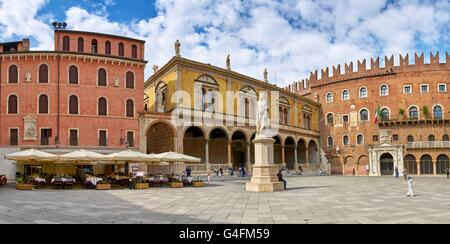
26,45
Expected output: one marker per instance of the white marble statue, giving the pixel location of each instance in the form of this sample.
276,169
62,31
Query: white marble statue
262,119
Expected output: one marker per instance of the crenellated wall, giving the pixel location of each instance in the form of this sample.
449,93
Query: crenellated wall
304,86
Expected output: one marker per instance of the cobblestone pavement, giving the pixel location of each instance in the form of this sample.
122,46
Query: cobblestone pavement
308,200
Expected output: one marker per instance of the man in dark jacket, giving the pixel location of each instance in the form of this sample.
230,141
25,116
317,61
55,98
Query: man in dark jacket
280,178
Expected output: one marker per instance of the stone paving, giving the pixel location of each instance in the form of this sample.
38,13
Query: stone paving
308,200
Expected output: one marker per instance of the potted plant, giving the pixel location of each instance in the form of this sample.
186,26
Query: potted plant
425,111
140,183
198,183
175,183
401,112
23,184
103,185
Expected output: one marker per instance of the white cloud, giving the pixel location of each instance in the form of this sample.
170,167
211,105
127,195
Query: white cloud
20,18
290,38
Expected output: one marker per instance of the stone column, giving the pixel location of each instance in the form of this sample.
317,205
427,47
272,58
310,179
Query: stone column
306,154
295,159
283,160
418,168
249,164
434,167
229,155
208,166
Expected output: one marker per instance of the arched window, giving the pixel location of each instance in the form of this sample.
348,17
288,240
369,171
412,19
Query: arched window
108,48
13,104
43,73
94,46
73,104
346,140
431,138
121,50
385,114
384,90
329,98
330,142
130,80
445,137
437,112
66,44
73,74
134,51
413,113
43,104
360,139
130,108
364,115
345,95
363,92
410,138
13,74
80,45
102,107
102,78
330,119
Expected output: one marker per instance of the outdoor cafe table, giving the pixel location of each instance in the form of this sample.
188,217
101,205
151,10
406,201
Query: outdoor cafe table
94,180
63,181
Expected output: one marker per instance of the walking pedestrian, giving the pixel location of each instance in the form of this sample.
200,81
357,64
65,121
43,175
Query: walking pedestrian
188,171
397,174
300,169
220,171
405,174
353,171
280,178
448,173
209,178
410,190
243,172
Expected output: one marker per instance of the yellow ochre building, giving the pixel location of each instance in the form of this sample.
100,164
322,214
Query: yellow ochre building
209,112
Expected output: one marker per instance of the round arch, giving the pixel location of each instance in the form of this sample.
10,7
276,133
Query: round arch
442,164
301,151
336,166
194,141
386,164
160,137
363,165
289,152
313,152
239,148
426,165
218,139
410,164
350,165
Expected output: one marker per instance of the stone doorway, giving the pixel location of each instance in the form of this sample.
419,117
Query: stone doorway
387,164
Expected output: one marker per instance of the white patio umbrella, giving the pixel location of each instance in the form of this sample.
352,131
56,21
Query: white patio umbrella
133,156
32,155
83,155
177,157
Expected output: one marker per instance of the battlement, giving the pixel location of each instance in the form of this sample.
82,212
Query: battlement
304,86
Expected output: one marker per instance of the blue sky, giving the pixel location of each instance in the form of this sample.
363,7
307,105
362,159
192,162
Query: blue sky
288,37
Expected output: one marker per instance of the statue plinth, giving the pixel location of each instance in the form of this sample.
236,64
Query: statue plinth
264,178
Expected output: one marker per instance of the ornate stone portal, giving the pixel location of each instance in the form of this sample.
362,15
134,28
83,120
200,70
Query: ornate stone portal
264,177
385,156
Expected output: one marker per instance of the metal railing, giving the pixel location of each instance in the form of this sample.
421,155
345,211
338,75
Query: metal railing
428,145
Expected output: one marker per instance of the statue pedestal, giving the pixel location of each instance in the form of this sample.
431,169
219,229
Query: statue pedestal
265,172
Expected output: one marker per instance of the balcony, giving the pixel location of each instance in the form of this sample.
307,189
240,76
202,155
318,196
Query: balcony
400,120
428,145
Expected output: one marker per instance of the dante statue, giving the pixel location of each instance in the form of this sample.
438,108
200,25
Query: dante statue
262,119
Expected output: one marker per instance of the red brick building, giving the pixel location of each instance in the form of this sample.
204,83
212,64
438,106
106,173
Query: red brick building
413,127
84,94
